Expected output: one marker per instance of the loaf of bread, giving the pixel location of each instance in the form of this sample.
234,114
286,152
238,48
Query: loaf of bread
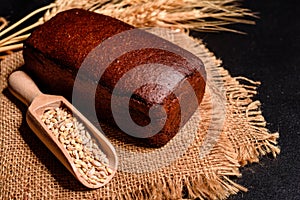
96,56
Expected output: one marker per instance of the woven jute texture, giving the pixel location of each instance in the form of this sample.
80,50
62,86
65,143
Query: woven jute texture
226,132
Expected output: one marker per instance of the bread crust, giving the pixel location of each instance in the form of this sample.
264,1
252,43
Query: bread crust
56,51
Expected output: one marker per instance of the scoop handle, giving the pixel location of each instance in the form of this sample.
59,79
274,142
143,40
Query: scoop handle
23,87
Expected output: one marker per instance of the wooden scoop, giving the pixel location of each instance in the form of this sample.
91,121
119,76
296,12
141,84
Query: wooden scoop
23,87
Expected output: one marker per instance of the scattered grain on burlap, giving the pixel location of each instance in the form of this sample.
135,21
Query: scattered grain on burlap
29,171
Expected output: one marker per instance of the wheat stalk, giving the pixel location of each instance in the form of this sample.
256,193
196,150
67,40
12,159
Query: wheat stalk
200,15
3,23
179,14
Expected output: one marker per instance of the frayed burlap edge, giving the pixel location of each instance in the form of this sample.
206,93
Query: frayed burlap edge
238,149
240,95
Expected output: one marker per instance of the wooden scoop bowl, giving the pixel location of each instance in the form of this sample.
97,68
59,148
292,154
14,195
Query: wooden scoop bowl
23,87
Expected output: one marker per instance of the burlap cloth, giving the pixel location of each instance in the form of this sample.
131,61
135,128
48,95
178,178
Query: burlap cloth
226,132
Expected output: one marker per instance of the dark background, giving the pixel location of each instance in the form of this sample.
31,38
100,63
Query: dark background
269,52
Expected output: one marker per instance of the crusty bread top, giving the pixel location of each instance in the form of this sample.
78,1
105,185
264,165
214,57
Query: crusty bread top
75,27
69,37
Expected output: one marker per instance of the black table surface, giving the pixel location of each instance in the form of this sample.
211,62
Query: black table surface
269,52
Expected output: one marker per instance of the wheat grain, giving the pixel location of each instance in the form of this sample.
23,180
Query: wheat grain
89,160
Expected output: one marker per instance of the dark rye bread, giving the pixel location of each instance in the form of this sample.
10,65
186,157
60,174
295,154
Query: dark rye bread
104,50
